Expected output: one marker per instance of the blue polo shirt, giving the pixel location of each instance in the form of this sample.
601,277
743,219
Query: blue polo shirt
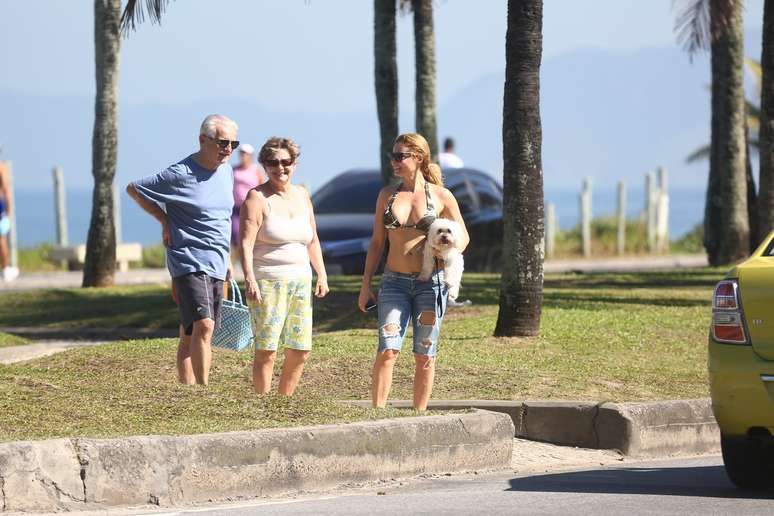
198,203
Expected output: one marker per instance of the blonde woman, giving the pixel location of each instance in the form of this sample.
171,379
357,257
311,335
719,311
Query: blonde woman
403,215
278,240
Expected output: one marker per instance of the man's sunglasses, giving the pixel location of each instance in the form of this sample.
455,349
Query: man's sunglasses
224,143
399,156
278,162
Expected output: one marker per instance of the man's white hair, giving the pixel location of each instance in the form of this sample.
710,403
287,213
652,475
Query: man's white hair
211,122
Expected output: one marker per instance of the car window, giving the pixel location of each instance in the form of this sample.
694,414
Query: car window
348,195
489,195
459,188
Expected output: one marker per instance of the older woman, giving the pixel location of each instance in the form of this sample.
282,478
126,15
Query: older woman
403,216
278,239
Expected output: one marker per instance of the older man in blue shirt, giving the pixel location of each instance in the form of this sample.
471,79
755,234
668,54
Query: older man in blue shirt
192,199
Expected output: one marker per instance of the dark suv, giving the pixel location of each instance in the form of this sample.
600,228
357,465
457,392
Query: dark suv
344,210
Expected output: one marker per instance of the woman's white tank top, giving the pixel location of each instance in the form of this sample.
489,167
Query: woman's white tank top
280,250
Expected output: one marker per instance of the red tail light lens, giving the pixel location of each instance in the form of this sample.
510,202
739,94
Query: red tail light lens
733,334
727,319
725,296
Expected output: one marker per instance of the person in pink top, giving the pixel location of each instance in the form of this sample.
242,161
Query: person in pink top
247,175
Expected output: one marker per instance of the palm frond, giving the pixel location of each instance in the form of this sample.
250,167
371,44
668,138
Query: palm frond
700,22
757,71
136,11
698,154
753,112
692,24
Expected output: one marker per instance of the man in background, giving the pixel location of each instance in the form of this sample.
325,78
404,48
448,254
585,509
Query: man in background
447,158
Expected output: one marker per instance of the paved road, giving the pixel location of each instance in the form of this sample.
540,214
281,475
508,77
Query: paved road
71,279
674,486
13,354
693,486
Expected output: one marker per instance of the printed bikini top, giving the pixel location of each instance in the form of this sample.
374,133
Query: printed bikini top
423,224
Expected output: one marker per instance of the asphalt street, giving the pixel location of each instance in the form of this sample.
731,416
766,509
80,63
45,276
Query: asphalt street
675,486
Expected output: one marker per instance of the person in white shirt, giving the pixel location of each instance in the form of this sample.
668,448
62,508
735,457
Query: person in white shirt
447,158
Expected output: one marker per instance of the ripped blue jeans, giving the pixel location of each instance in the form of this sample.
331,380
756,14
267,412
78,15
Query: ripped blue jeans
404,298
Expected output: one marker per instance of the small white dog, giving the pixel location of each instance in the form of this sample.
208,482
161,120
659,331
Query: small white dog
443,237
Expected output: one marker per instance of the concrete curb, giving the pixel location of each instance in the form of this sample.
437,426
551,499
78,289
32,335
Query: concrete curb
78,474
637,429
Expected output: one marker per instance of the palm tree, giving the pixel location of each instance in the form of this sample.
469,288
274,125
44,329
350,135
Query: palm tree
100,263
752,123
521,288
753,116
424,61
766,131
385,80
717,24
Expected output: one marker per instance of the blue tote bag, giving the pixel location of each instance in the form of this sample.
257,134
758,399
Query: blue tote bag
234,330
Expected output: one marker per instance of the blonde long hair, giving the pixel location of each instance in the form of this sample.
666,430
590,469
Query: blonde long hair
419,146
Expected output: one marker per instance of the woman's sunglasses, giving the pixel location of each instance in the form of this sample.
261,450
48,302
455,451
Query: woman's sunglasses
399,156
278,162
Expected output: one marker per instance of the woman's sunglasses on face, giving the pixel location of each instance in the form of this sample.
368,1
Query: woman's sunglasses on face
277,162
399,156
223,144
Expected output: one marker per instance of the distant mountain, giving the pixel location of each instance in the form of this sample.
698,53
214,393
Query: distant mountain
608,115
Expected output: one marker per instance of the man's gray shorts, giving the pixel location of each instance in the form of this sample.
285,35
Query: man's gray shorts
198,297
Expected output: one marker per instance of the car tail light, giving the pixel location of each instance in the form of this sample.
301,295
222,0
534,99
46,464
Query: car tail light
727,319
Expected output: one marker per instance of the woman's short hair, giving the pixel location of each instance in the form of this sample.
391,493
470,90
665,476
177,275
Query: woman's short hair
419,146
274,145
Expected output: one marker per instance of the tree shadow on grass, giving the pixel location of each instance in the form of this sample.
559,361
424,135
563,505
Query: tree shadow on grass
339,311
81,308
569,300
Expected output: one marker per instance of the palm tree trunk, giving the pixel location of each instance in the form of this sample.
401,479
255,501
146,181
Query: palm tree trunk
100,264
766,134
727,229
385,80
521,288
424,52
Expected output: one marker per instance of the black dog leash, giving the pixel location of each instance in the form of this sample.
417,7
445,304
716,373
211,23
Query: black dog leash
439,296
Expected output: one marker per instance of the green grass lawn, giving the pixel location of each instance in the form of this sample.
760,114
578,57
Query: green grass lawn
617,337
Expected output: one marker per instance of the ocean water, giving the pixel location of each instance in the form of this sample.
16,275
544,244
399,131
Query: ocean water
686,206
36,223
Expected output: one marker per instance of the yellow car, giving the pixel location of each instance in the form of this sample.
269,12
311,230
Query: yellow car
741,368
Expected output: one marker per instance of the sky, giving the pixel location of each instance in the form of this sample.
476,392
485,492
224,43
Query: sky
297,55
290,57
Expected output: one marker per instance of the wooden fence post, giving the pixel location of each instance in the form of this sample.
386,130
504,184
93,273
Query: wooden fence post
551,227
621,211
662,212
650,212
60,207
585,206
117,213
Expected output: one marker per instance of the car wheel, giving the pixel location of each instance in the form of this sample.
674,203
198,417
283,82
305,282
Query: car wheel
747,464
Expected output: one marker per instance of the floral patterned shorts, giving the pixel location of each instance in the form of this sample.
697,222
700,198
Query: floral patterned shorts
284,314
